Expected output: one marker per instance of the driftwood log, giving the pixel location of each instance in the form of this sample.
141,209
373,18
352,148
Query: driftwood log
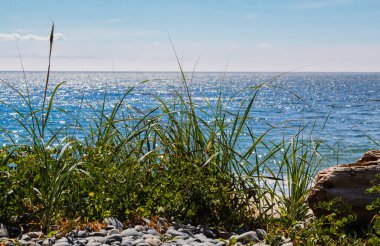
350,183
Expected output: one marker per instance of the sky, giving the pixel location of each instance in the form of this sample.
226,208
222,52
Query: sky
208,35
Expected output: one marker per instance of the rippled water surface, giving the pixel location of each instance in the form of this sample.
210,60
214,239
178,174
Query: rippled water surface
352,100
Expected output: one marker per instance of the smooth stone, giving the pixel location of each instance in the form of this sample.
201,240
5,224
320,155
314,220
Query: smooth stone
261,244
131,232
113,238
193,240
188,232
261,233
81,234
126,242
113,222
8,243
96,239
153,241
143,244
221,243
65,239
48,242
147,221
116,243
140,228
3,231
201,236
35,234
25,237
137,241
94,243
104,244
101,233
113,232
208,233
175,233
62,244
23,242
82,240
204,244
153,232
250,236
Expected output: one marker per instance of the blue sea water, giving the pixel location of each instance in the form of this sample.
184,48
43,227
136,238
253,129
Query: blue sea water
350,101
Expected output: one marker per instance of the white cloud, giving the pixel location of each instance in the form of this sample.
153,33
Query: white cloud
115,20
321,4
28,37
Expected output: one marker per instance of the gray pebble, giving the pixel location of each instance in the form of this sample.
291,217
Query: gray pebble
153,241
113,238
113,231
250,236
175,233
137,241
188,232
153,232
261,233
96,239
140,228
25,237
131,232
48,242
62,244
3,231
142,244
23,242
101,233
94,243
81,234
208,233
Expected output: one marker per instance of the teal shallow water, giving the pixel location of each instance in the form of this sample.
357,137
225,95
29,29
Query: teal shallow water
351,99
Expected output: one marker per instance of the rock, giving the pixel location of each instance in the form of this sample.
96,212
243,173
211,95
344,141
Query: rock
139,228
138,241
80,234
65,239
113,222
62,244
250,236
94,243
113,232
101,233
153,232
113,238
153,241
25,237
96,239
131,232
23,242
350,183
224,234
3,231
175,233
208,233
261,233
48,242
142,244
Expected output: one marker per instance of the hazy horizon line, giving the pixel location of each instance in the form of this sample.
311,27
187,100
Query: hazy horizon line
176,71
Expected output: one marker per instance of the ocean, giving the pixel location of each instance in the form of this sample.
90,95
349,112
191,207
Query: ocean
342,108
